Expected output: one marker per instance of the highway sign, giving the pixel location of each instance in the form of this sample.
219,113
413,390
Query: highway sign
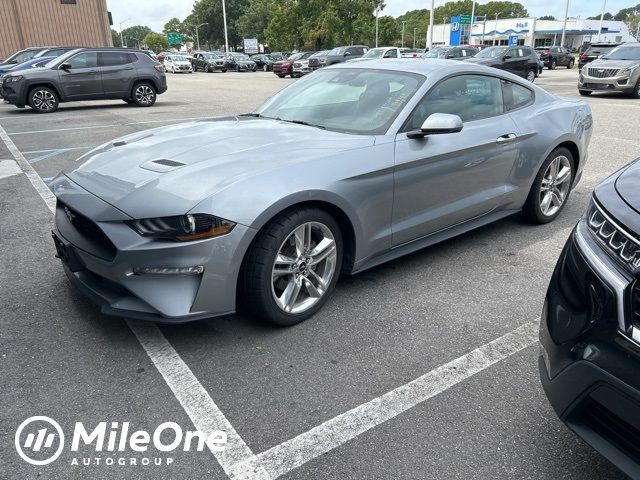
174,38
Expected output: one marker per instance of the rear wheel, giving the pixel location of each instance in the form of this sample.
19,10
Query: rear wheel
531,75
144,94
280,75
584,93
206,68
572,62
265,68
551,187
552,65
635,93
292,266
43,100
237,68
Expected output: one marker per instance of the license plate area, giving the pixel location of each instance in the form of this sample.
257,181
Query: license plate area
67,254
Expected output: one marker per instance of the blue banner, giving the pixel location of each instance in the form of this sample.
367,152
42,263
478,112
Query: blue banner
454,36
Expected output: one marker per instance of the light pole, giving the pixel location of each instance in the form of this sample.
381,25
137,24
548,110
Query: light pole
377,11
414,38
495,38
403,22
226,36
197,35
121,37
602,18
564,24
430,41
473,19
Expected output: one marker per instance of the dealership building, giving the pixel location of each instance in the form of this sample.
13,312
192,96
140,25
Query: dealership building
530,31
35,23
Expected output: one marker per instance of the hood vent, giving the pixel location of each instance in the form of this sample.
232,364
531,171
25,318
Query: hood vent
162,165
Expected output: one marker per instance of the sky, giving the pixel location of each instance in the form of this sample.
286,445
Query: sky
154,13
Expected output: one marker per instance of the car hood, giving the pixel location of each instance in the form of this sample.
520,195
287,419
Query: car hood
169,170
628,186
619,64
481,60
182,63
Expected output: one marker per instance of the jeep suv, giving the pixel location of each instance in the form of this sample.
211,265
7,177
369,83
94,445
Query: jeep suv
87,74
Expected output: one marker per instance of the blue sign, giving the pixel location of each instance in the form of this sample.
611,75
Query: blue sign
513,39
454,35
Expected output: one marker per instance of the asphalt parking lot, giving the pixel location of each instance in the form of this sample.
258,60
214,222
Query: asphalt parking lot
330,398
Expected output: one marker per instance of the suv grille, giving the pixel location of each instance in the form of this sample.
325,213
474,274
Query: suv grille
602,72
88,229
624,247
635,303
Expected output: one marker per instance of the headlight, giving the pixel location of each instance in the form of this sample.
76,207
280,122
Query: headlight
629,70
624,247
182,228
14,79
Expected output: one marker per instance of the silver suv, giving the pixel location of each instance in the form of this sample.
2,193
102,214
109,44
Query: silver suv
616,71
87,74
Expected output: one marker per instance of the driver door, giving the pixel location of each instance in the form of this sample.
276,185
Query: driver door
82,80
443,180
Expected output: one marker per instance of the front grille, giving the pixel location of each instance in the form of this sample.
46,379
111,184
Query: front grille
622,245
297,65
602,72
635,305
89,230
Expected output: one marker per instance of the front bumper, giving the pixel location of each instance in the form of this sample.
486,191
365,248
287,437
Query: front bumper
617,83
588,361
302,70
99,260
13,92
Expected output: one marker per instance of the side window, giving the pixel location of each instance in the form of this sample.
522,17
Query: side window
113,59
24,56
55,53
84,60
471,97
390,54
512,52
516,96
134,58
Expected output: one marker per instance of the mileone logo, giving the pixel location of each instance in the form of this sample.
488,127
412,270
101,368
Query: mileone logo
40,440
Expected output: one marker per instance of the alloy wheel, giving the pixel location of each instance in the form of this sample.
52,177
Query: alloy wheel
144,94
44,100
531,76
304,267
555,185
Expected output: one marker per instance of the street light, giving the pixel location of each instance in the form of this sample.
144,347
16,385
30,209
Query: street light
473,20
602,18
377,11
430,40
495,38
564,24
226,36
121,37
403,22
198,36
414,38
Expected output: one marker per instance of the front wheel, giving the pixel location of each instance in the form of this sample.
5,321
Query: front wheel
292,266
206,68
584,93
531,75
635,93
552,65
144,94
43,100
237,68
571,63
551,187
265,68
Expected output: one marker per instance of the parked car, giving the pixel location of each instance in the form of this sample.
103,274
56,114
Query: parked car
409,52
318,60
554,56
263,61
590,324
177,64
28,53
342,54
208,62
283,68
33,63
302,67
616,71
399,156
376,53
451,53
87,74
277,56
593,51
520,60
240,62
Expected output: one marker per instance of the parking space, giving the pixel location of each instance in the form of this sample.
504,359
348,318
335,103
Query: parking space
329,398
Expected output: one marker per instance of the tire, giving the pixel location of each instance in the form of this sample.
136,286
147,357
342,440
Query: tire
531,76
206,68
552,65
144,94
572,62
128,100
280,75
43,100
265,68
262,294
292,75
550,192
224,70
238,68
584,93
635,93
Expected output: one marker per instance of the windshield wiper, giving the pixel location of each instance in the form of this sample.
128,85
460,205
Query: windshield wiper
302,122
252,114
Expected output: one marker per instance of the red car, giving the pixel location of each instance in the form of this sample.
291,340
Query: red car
283,68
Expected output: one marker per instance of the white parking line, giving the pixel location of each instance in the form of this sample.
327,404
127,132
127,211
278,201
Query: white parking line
331,434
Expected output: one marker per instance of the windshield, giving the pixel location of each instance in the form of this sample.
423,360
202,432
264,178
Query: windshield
345,100
623,53
295,56
439,52
337,51
241,57
211,56
178,58
374,53
491,52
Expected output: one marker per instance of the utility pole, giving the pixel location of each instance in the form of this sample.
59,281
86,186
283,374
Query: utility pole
602,18
495,37
197,35
414,38
431,13
564,24
226,36
473,20
403,22
377,11
121,37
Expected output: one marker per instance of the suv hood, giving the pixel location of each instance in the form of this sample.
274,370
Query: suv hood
628,186
169,170
482,60
619,64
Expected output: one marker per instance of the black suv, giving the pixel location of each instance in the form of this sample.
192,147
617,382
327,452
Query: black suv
208,62
342,54
590,324
521,60
87,74
595,50
554,56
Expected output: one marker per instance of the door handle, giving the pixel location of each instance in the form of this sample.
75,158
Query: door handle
92,72
506,138
128,68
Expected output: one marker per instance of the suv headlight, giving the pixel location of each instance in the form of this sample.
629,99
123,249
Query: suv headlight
16,78
629,70
182,228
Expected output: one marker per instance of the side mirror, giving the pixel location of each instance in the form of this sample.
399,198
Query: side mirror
65,66
506,57
438,124
346,54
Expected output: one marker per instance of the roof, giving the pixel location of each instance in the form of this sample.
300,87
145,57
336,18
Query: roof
422,66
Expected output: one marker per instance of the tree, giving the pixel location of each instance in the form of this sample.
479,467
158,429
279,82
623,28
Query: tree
606,16
156,42
135,35
115,38
255,19
388,32
210,11
547,17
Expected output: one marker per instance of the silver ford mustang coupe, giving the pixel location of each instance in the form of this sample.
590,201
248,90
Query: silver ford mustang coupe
347,168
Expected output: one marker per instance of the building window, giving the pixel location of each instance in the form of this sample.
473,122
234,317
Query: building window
68,2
